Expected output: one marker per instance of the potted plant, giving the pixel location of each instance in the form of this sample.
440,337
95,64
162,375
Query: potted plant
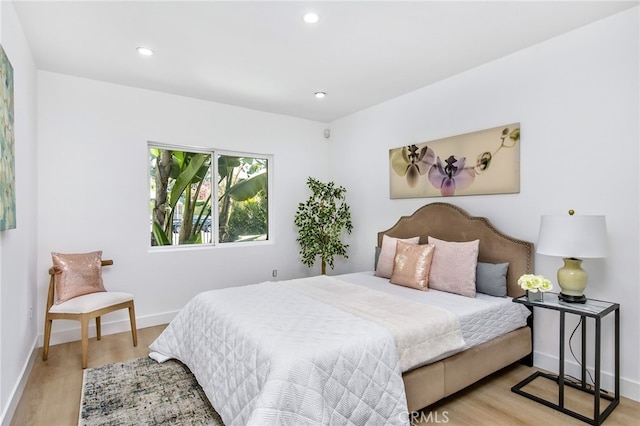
320,221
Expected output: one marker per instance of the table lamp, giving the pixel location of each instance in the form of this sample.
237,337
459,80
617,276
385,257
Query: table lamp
572,237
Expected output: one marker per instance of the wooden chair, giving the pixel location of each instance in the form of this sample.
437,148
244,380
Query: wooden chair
84,308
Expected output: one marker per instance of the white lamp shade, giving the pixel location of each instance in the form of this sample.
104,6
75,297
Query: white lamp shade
579,236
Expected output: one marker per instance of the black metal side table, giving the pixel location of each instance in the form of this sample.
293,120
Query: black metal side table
596,309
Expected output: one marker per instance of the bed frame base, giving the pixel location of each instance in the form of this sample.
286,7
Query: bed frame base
431,383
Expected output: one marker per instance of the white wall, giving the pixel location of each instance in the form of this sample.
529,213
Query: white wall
576,97
18,246
93,190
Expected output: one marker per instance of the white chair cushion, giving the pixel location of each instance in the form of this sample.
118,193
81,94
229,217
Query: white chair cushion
90,302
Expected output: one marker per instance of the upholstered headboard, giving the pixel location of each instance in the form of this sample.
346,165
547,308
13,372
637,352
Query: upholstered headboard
448,222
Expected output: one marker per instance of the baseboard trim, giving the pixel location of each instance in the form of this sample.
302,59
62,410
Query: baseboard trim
16,392
628,388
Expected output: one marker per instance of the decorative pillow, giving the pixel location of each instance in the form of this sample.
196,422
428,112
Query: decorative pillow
375,262
388,253
77,274
411,265
454,266
491,278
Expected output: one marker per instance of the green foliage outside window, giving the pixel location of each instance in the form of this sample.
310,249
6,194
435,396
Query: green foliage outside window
242,205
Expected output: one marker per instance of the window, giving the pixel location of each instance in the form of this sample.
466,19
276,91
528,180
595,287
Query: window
188,207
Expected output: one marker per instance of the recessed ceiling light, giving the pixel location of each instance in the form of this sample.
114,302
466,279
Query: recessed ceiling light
145,51
320,95
311,18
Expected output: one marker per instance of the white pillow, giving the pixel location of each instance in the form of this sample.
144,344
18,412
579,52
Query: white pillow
388,253
453,268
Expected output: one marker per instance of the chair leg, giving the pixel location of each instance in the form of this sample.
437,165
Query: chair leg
132,319
98,329
84,321
47,337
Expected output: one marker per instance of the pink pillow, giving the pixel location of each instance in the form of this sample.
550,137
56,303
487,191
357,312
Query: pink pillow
453,268
388,253
77,274
411,265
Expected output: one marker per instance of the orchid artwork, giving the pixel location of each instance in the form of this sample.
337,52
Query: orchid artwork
452,176
413,162
483,162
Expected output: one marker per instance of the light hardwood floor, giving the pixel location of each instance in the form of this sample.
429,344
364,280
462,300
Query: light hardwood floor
52,393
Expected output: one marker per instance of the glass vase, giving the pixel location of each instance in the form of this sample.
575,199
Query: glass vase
538,296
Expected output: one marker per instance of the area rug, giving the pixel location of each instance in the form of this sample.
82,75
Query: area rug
144,392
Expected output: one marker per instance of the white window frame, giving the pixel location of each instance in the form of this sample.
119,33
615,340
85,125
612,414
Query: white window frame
214,174
215,231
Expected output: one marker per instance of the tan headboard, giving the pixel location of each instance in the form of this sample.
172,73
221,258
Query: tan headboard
448,222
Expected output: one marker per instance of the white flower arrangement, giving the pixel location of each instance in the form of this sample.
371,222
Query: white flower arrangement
534,283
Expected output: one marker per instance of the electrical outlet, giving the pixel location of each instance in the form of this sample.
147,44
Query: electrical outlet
274,273
30,312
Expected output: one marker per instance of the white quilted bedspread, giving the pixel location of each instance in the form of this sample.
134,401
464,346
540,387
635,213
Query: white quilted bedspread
266,354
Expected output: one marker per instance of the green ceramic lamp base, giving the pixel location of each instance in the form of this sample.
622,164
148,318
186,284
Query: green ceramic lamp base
572,280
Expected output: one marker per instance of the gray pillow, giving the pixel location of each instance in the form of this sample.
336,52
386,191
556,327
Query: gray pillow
491,278
375,263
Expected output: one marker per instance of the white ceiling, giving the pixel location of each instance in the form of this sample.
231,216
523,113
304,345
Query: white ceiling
261,55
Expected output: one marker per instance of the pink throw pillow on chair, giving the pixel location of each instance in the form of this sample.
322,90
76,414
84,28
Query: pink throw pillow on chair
77,274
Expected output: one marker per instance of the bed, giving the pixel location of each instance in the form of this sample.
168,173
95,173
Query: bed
451,223
350,349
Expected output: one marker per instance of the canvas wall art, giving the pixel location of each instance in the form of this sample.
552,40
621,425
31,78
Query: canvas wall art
483,162
7,147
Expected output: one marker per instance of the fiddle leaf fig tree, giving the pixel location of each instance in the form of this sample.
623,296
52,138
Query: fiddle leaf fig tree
321,221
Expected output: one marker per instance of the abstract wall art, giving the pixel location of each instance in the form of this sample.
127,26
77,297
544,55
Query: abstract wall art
483,162
7,146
